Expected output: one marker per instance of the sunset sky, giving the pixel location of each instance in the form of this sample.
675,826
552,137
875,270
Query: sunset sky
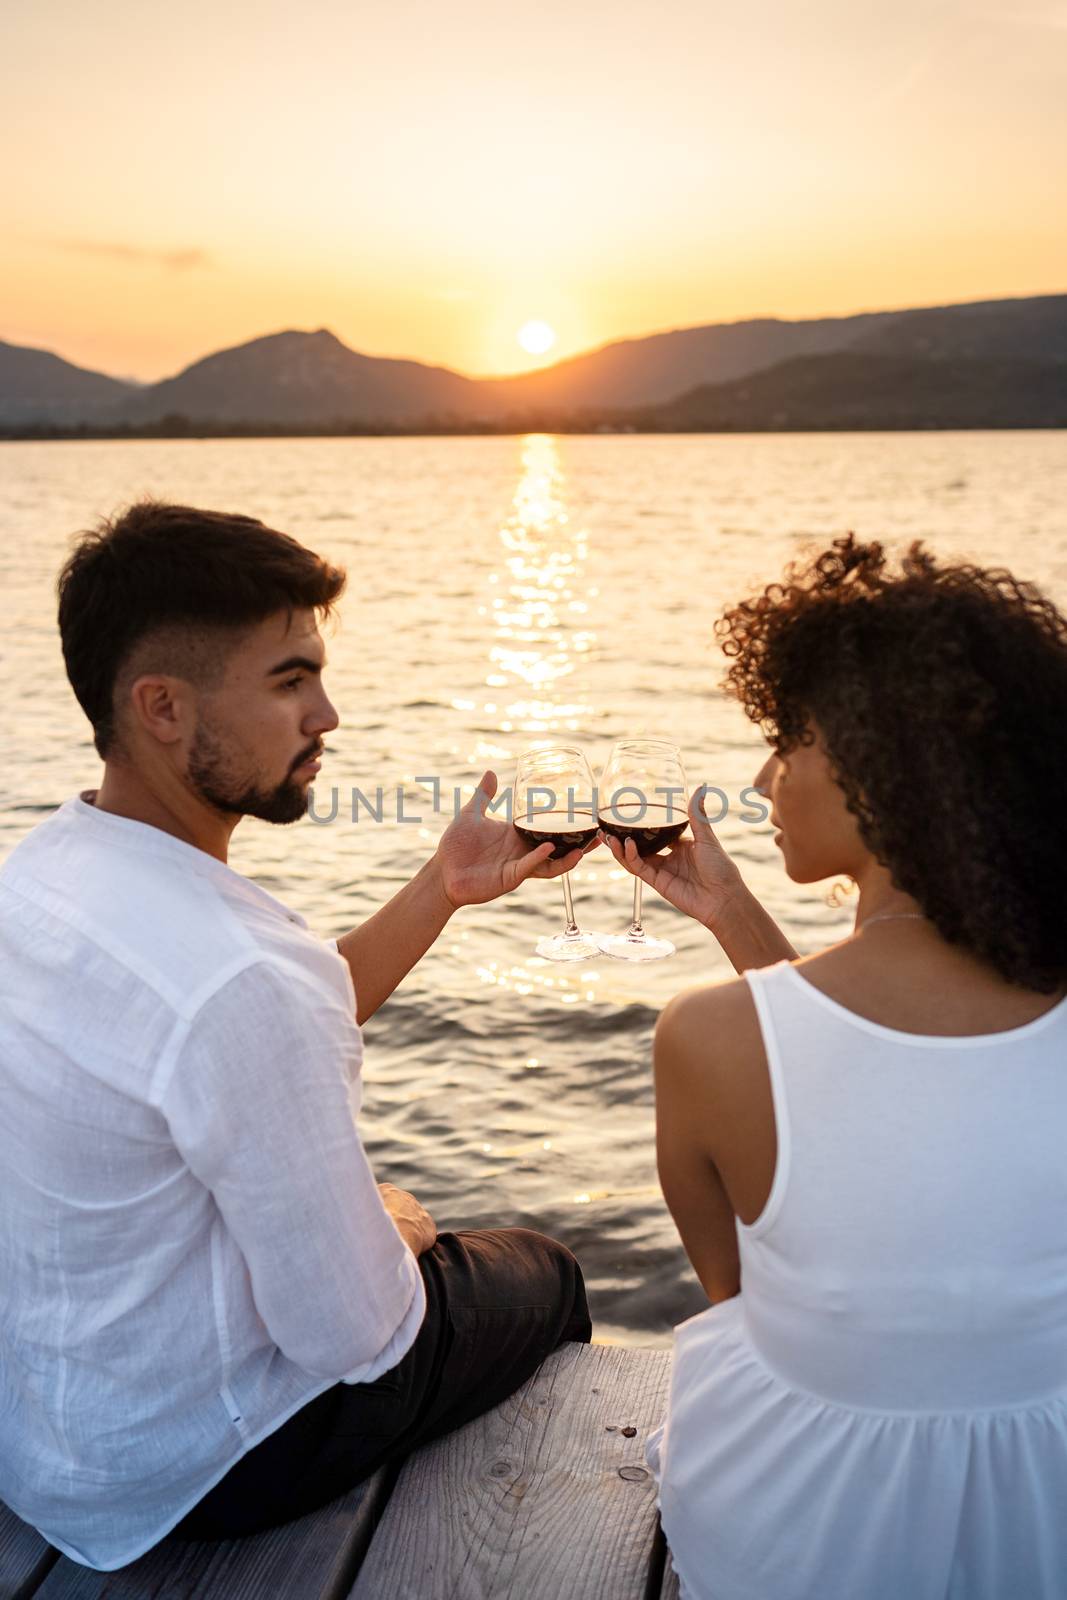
425,179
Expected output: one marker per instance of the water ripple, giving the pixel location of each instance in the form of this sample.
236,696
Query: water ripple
505,592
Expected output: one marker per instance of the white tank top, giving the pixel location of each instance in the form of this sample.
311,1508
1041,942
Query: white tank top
882,1411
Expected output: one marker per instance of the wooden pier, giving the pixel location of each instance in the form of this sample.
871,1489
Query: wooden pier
547,1497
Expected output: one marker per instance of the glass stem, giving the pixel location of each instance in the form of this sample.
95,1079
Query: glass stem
571,931
636,931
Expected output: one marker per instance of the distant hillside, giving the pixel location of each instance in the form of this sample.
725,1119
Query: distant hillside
852,390
642,372
1032,330
36,385
636,372
305,379
308,382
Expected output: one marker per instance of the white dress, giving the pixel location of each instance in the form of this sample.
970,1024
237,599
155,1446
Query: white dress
881,1414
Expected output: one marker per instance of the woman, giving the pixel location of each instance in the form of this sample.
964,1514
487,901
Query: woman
865,1151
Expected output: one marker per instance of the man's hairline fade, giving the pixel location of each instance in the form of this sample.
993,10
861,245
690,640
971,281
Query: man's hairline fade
198,653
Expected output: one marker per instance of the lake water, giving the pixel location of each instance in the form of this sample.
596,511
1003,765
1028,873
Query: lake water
505,591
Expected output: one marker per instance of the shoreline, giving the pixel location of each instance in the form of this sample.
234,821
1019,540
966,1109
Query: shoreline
183,428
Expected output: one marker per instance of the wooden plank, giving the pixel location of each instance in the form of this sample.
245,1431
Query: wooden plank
548,1494
315,1557
24,1557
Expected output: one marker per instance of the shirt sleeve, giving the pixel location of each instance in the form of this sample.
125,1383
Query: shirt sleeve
260,1104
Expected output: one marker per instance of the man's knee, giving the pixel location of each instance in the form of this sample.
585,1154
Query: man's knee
557,1262
514,1268
550,1277
576,1323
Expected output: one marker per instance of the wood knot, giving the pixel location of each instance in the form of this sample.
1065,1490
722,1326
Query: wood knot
633,1474
500,1469
628,1433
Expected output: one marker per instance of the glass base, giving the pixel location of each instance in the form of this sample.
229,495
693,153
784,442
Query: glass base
632,947
568,947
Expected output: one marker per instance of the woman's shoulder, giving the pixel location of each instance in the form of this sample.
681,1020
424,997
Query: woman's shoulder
707,1002
710,1059
714,1027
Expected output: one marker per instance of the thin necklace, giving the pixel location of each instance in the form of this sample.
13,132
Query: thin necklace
892,916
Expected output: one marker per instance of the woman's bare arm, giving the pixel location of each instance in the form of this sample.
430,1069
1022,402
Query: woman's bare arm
685,1112
698,877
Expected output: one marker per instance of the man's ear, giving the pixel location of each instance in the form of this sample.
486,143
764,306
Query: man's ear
164,707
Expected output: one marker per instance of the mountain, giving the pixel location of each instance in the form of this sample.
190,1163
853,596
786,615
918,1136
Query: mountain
37,386
305,379
643,372
311,381
852,389
992,330
638,372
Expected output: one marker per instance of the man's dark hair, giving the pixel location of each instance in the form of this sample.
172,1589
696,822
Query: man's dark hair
941,695
188,581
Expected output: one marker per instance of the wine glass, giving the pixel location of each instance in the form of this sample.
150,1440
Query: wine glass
554,800
642,797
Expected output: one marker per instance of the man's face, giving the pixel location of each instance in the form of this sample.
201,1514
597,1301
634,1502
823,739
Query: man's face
257,734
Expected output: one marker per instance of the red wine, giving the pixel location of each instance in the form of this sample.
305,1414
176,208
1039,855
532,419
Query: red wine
651,827
568,830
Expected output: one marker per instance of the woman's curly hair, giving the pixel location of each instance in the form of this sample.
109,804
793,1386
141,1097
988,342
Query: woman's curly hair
940,692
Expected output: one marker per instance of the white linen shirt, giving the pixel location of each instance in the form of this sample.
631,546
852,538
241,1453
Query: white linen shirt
192,1243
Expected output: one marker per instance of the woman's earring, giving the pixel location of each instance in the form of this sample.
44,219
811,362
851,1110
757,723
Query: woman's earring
840,892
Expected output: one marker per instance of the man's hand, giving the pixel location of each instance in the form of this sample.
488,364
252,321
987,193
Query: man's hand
477,859
413,1222
696,874
480,858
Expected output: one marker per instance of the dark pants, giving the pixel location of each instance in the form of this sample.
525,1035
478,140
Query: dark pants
497,1302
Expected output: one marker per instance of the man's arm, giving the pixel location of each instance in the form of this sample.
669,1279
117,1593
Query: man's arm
385,948
478,858
260,1103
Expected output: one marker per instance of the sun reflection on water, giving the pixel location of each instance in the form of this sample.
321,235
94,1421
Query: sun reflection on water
540,606
538,611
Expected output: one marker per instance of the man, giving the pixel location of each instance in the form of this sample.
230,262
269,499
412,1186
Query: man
212,1318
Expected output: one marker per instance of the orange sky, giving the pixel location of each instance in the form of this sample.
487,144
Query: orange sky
424,179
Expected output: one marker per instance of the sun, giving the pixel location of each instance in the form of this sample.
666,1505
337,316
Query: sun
536,338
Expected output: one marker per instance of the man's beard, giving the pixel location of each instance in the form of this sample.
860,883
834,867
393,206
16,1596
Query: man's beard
207,773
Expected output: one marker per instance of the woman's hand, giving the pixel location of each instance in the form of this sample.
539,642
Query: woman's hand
480,857
696,874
